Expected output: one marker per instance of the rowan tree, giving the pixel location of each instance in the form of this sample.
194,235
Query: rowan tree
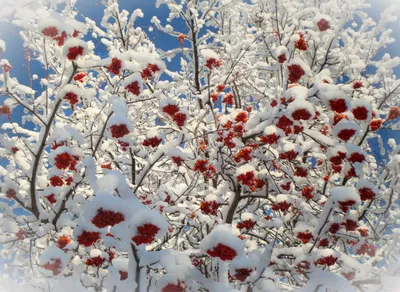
250,168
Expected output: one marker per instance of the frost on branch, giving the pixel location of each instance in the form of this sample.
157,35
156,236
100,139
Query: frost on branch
242,156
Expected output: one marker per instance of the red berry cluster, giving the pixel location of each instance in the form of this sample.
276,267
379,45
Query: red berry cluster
220,87
366,194
79,77
356,157
54,265
301,114
56,181
146,234
170,109
323,24
201,165
153,142
297,129
148,72
375,124
329,261
281,206
338,117
307,192
351,173
61,39
214,96
119,131
302,267
247,224
173,111
87,238
249,179
123,275
180,118
213,63
63,241
243,154
289,155
197,262
209,207
270,139
360,113
394,113
69,180
295,73
345,205
338,105
323,242
74,52
223,252
133,88
346,134
334,228
205,168
282,58
181,38
95,261
21,234
52,32
350,225
242,274
284,123
357,84
366,248
363,232
300,171
301,44
144,200
286,186
242,117
115,66
179,287
51,198
228,98
124,145
106,218
106,165
66,161
325,130
55,145
304,236
177,160
11,194
72,98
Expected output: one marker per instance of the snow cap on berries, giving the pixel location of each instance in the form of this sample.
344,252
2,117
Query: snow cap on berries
222,242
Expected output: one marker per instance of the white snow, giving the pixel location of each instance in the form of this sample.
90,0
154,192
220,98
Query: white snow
209,54
325,280
297,92
342,194
2,46
244,169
